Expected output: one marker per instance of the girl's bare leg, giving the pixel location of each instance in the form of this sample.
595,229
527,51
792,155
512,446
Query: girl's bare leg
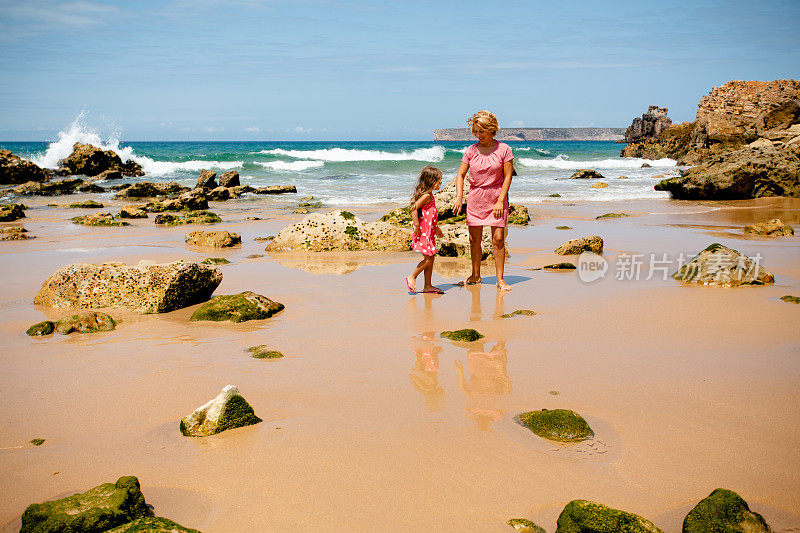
475,253
412,279
428,275
499,251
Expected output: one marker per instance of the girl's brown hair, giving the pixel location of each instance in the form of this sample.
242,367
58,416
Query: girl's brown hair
427,179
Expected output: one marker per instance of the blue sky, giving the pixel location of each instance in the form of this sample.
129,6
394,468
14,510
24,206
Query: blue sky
258,69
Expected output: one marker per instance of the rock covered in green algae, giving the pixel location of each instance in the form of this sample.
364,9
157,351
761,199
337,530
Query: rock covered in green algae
132,212
724,510
215,261
188,217
523,525
556,266
593,243
42,328
262,351
37,442
99,219
519,312
227,411
152,524
724,267
560,425
88,322
791,299
144,288
88,204
10,212
518,214
772,228
217,239
563,227
611,215
462,335
237,308
581,516
99,509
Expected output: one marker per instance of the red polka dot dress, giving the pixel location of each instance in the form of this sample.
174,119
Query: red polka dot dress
425,242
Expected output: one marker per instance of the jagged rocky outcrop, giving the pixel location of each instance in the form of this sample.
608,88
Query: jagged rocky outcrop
207,180
14,169
649,126
227,411
229,179
144,288
146,189
89,160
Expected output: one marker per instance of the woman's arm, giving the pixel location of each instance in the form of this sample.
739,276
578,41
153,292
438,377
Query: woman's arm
508,168
462,171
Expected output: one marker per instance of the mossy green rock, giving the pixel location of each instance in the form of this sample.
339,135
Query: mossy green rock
88,322
99,509
518,214
559,266
399,217
237,308
152,524
725,267
581,516
560,425
99,219
791,299
9,212
42,328
611,215
215,261
519,312
723,511
462,335
187,217
563,227
523,525
88,204
263,352
227,411
37,442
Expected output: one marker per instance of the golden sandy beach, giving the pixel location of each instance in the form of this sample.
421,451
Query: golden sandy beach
372,421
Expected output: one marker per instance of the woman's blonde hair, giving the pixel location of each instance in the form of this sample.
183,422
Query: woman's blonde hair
483,120
427,179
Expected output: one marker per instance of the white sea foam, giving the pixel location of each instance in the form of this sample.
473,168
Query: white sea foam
80,132
291,165
433,154
562,162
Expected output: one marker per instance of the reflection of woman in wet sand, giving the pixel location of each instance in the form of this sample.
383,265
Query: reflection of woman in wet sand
425,374
488,380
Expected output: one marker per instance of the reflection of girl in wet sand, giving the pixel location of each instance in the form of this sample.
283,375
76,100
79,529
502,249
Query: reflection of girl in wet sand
488,378
425,374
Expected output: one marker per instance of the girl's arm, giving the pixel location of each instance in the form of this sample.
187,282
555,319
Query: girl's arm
508,168
422,200
462,171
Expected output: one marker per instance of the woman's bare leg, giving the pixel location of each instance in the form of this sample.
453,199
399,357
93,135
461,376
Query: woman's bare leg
475,253
499,251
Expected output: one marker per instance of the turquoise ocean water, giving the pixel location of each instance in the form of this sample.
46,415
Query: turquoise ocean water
369,172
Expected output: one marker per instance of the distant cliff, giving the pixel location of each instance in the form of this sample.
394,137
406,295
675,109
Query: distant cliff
536,134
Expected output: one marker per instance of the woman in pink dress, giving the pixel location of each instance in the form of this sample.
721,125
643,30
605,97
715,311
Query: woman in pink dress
490,167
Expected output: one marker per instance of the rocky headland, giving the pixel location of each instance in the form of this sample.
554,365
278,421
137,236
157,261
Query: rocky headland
744,143
535,134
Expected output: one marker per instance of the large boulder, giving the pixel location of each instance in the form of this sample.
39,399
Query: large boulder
144,288
751,172
724,267
237,308
217,239
89,160
219,194
207,180
724,510
337,231
227,411
593,243
454,241
560,425
11,212
14,169
229,179
581,516
771,228
99,509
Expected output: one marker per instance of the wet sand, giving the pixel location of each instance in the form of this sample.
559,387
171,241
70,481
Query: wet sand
372,421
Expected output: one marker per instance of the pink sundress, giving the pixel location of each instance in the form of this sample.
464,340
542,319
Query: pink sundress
425,242
485,181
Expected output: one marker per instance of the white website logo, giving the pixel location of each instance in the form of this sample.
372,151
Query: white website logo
591,267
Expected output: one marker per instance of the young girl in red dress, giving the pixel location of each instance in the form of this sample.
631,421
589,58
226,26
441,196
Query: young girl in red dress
424,229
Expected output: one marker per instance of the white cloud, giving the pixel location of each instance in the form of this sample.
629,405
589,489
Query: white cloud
48,14
301,129
252,129
212,129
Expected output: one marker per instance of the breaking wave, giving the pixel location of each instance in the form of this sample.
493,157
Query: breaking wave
562,162
434,154
291,165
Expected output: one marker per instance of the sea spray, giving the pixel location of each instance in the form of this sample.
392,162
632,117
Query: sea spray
562,162
434,154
